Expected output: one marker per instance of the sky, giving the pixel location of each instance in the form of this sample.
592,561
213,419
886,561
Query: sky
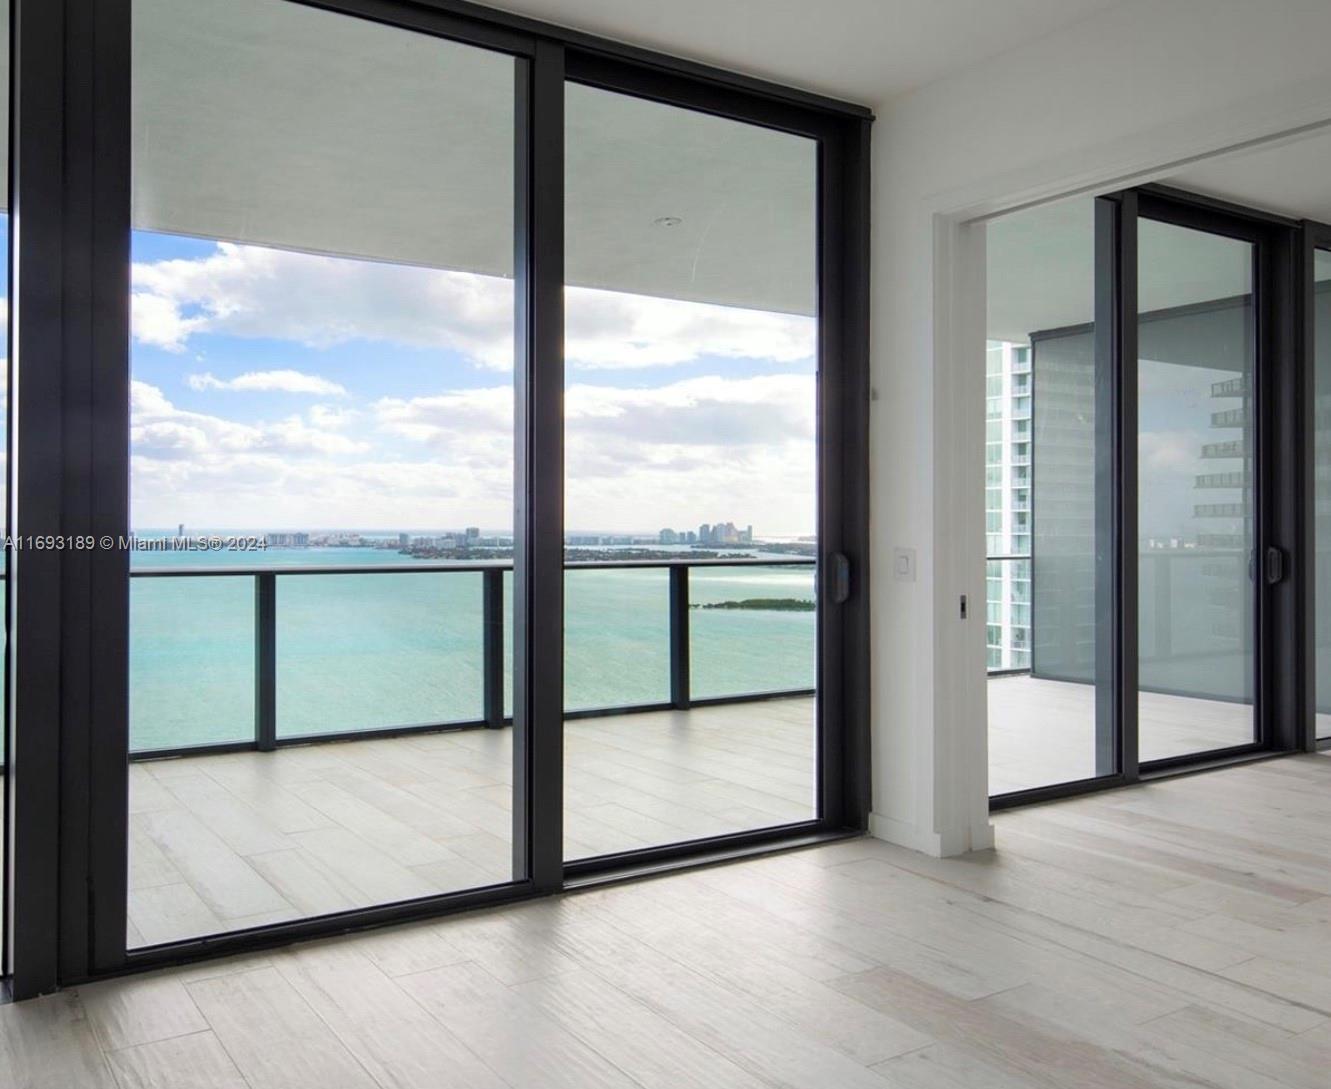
276,390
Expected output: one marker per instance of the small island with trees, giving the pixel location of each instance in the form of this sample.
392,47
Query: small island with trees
766,604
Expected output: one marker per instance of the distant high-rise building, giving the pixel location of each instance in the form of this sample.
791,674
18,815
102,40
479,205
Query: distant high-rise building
403,540
1008,502
668,537
473,534
705,534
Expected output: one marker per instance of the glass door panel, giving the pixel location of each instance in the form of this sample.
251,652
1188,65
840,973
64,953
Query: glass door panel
322,466
1321,454
1196,510
1047,441
691,392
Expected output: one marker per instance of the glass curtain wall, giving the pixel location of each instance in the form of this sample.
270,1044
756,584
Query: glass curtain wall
1041,454
322,465
1321,460
691,508
1195,506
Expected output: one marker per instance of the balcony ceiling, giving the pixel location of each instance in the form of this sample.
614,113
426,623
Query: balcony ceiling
267,122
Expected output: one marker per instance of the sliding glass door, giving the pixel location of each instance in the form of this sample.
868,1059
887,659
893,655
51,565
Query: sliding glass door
1198,575
460,426
322,466
691,488
1139,493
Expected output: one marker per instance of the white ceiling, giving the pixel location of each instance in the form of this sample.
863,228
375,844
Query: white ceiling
1290,177
865,51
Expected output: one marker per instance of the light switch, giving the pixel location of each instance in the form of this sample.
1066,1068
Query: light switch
903,564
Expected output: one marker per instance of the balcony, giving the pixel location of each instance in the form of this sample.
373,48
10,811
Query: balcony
254,814
1193,664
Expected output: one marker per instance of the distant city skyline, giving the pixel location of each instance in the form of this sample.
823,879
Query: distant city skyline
184,529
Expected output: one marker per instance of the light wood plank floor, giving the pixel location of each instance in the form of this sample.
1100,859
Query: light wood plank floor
1043,732
225,842
1170,936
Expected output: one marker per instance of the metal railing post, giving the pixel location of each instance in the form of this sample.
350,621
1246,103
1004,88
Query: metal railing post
265,661
492,642
679,636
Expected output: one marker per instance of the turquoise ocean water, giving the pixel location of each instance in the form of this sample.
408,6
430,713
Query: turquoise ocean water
358,652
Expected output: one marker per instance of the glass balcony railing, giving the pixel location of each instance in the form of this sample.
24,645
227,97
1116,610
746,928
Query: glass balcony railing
1008,582
254,658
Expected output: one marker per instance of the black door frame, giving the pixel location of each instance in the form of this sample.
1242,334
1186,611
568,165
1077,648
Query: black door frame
1314,236
1282,254
68,825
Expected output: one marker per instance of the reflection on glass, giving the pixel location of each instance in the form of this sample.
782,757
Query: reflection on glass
1322,486
1041,453
1195,504
690,355
322,367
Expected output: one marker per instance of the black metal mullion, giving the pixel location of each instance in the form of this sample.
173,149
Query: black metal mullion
1127,637
845,247
1116,575
37,422
538,544
107,148
1293,654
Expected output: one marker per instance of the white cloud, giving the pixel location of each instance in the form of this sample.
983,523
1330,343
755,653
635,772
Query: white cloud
636,459
645,458
281,381
321,301
158,321
332,417
311,470
158,429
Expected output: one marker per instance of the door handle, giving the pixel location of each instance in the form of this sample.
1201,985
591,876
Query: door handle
1274,567
838,564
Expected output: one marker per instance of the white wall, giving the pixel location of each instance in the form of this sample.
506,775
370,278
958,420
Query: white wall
1123,97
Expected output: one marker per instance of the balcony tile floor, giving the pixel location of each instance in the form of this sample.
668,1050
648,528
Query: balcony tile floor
230,841
1043,732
